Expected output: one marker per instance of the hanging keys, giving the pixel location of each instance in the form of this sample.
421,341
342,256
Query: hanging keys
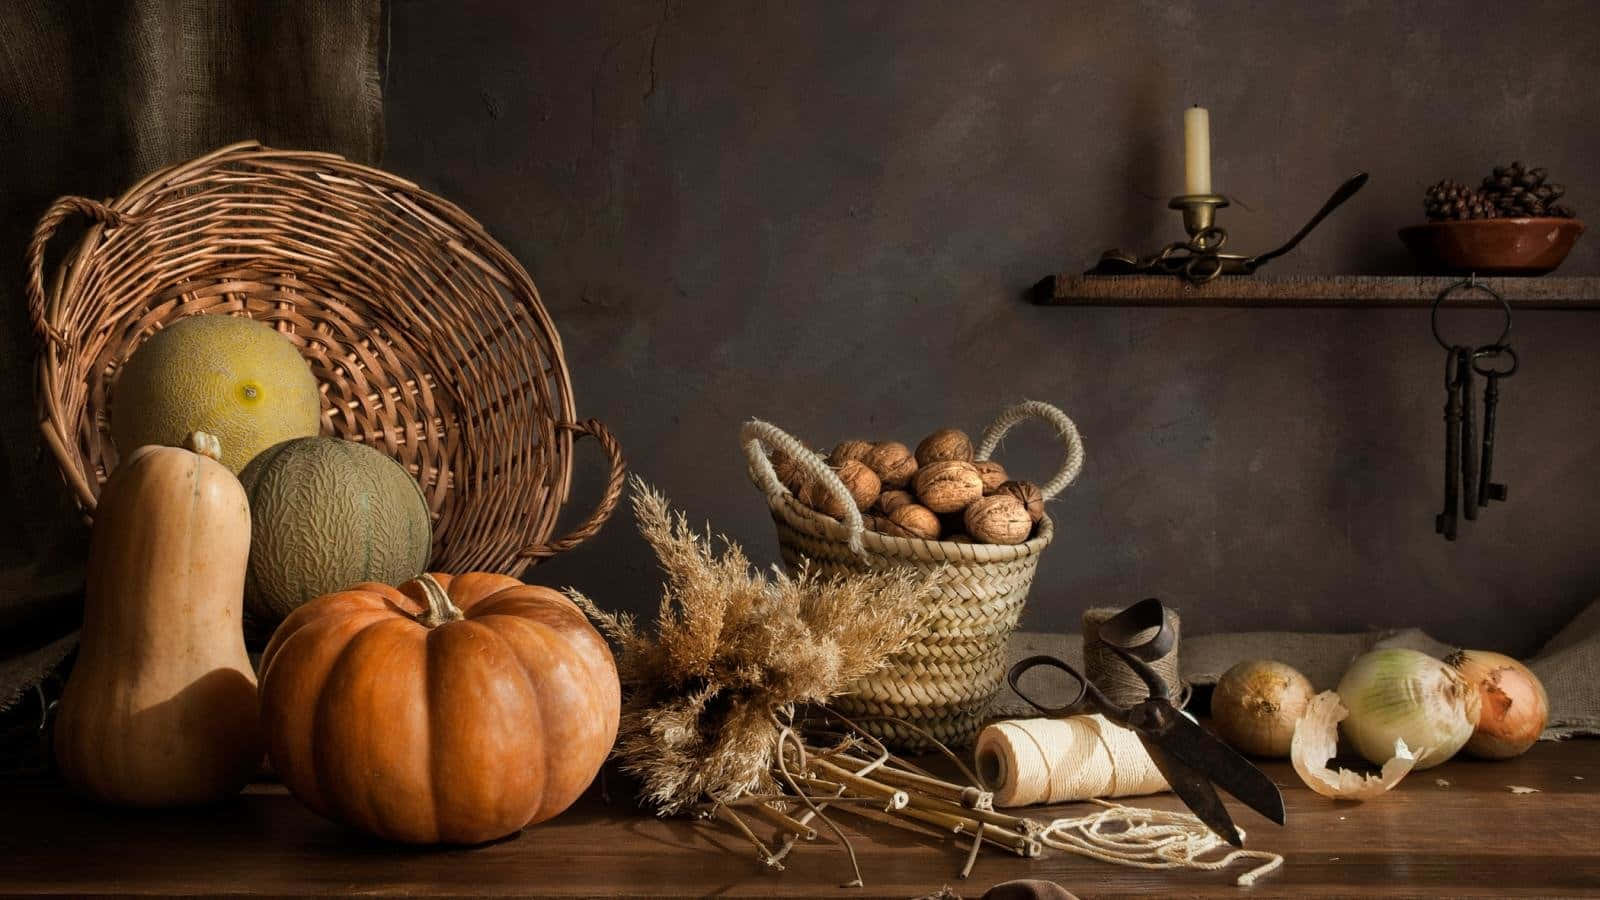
1467,484
1445,522
1469,438
1487,488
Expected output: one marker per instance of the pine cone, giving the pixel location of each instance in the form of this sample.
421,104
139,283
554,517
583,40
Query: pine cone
1519,192
1453,200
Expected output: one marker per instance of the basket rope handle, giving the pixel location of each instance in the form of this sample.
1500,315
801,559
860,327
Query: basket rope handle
608,499
42,232
1071,465
756,435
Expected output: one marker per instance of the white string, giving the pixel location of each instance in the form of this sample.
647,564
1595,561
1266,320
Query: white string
1032,761
1152,839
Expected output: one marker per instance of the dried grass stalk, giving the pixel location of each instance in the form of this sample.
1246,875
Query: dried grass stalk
733,649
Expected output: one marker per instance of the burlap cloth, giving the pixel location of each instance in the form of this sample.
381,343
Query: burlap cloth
93,96
1569,664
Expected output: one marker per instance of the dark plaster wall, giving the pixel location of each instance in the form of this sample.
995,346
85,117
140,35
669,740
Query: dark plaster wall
825,214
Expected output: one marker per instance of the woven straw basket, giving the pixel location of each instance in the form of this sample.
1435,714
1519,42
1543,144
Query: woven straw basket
945,680
429,340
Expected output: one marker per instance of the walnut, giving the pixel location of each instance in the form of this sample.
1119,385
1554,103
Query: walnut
958,539
845,451
874,523
993,475
916,521
948,485
888,527
1030,495
999,519
788,469
889,501
946,443
858,480
893,463
821,499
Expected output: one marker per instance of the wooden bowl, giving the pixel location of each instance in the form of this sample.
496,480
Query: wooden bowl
1493,246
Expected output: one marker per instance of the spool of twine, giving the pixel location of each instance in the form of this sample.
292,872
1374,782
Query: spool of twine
1028,761
1113,677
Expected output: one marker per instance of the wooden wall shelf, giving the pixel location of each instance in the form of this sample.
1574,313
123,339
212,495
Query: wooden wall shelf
1339,290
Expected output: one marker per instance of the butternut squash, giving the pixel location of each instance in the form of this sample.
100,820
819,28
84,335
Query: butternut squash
161,708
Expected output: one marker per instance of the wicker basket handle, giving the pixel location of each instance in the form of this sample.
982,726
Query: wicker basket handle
46,229
756,435
608,499
1071,465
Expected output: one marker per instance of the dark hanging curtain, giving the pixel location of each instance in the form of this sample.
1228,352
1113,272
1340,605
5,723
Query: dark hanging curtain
93,95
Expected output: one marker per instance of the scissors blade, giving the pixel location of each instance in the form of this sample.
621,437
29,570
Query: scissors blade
1206,754
1195,790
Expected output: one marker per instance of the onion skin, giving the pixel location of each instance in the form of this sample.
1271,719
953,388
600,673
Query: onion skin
1407,694
1515,708
1256,704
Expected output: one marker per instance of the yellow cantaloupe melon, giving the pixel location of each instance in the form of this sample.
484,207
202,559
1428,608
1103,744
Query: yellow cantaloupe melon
232,377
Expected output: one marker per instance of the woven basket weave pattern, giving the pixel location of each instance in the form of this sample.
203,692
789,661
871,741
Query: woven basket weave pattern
945,680
429,340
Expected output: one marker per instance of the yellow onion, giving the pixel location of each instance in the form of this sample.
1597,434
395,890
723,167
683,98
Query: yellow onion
1407,695
1256,705
1515,708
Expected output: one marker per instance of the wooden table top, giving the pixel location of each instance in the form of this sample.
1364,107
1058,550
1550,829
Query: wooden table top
1472,838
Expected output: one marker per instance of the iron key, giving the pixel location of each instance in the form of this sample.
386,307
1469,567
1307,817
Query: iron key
1445,522
1469,441
1487,488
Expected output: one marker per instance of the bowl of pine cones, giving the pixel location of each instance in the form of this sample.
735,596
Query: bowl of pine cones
1512,224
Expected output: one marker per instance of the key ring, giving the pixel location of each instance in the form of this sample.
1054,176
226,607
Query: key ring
1493,350
1471,283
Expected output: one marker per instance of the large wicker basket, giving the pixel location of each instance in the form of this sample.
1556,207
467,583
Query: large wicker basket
944,682
429,339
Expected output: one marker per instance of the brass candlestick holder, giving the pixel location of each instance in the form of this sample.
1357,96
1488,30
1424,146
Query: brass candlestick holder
1201,258
1199,212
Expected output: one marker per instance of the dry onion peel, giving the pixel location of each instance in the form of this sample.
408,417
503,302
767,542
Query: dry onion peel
1316,736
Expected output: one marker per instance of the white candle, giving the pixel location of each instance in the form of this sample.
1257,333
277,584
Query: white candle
1197,150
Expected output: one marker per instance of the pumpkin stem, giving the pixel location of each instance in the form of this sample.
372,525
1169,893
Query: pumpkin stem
203,444
440,610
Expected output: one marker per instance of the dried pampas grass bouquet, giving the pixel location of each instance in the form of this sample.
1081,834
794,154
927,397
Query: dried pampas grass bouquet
708,694
724,712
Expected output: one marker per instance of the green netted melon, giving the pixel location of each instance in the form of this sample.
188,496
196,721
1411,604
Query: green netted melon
327,514
232,377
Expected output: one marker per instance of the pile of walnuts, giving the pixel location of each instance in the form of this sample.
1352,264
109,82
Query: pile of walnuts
937,492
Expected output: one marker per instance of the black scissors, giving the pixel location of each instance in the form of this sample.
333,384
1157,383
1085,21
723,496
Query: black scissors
1190,757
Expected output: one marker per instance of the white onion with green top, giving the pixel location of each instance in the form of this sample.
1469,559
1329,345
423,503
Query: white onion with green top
1407,694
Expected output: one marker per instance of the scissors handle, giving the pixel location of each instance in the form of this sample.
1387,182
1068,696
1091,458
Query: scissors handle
1137,633
1022,667
1086,689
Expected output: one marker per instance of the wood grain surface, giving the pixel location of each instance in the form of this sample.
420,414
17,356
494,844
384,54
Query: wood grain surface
1342,290
1473,838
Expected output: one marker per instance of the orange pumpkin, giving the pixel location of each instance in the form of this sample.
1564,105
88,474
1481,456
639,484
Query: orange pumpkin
450,710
